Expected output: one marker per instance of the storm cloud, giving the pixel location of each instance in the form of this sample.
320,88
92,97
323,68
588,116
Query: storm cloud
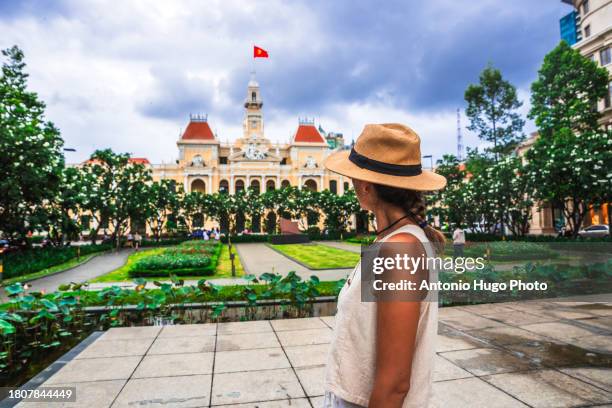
140,68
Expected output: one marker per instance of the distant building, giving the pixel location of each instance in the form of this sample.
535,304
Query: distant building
569,28
594,40
208,165
588,28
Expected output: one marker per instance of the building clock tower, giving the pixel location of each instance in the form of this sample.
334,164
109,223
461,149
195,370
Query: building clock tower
253,120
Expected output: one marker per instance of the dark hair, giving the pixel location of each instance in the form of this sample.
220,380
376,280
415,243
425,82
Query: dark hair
413,203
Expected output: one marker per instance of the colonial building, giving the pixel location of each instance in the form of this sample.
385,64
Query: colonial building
588,28
207,165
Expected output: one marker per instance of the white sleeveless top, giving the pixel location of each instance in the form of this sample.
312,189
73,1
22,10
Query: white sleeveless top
352,358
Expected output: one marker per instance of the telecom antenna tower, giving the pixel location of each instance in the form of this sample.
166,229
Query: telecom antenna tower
459,137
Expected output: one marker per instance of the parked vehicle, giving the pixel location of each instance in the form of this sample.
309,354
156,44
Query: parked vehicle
595,231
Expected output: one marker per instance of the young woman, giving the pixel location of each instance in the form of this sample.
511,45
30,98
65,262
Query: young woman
382,352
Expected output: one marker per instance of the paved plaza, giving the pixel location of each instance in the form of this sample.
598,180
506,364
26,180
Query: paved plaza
519,354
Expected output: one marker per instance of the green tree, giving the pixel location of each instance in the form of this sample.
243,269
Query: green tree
163,200
571,171
306,206
452,202
122,189
566,93
197,205
59,217
569,164
509,189
492,110
282,202
254,208
31,161
338,209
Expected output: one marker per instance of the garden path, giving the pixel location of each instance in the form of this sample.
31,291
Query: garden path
256,258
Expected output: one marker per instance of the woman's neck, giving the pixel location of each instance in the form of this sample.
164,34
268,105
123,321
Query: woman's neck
387,215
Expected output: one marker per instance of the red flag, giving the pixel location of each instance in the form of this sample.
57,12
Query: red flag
259,52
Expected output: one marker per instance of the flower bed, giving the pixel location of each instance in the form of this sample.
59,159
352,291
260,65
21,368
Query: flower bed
191,258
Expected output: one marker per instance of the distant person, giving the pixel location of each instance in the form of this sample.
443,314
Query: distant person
130,240
458,242
217,234
137,240
205,235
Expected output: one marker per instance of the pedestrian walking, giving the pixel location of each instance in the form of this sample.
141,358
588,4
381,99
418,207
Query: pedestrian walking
458,242
137,240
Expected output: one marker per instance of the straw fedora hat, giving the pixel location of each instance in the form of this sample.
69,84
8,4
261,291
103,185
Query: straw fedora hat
388,154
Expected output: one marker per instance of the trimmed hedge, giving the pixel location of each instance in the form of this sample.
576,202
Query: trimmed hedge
36,259
482,237
191,258
237,239
362,239
162,242
312,235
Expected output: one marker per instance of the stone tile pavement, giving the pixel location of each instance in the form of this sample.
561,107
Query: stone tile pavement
518,354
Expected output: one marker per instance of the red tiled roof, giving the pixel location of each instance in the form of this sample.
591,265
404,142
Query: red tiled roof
140,160
308,134
198,131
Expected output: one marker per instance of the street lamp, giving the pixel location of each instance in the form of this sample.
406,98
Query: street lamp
430,157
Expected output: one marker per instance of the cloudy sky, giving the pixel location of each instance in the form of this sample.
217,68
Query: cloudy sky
126,74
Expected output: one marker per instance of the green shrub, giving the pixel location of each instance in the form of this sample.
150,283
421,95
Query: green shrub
195,258
162,242
484,237
36,259
362,239
237,239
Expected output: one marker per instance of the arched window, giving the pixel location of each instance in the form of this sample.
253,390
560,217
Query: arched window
223,187
239,185
285,184
270,185
198,185
271,222
255,186
333,186
311,185
346,186
254,96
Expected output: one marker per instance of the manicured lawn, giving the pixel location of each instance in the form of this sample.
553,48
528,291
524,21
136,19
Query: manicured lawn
49,271
316,256
224,269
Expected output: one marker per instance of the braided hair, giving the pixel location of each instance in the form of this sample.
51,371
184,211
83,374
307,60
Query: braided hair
413,203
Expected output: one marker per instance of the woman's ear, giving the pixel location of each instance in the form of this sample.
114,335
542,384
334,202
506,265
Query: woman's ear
367,187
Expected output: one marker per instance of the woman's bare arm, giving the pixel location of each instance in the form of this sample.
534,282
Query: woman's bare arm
396,327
